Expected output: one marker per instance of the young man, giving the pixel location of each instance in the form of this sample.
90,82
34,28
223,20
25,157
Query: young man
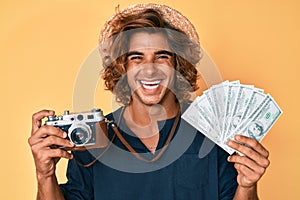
149,53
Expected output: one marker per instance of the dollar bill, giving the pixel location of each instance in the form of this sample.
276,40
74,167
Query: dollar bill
239,128
205,109
199,115
194,117
261,120
233,89
231,108
219,99
255,101
240,105
209,97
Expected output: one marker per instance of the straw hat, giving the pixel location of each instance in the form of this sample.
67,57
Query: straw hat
169,14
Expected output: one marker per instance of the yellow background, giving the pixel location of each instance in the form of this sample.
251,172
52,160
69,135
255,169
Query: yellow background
43,44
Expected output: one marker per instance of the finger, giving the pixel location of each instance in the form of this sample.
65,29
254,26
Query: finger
45,131
37,119
60,153
47,154
56,141
244,170
250,153
49,143
253,144
243,160
249,176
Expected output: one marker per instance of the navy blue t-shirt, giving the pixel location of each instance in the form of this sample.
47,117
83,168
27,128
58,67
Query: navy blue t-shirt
179,174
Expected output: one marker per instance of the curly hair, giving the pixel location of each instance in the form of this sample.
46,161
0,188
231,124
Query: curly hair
114,54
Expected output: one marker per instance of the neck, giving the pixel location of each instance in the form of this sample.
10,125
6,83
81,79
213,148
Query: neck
142,119
144,115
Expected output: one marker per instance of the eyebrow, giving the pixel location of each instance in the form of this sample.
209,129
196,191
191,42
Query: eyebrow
131,53
164,52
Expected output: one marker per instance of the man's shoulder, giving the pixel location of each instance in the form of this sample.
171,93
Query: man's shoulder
114,115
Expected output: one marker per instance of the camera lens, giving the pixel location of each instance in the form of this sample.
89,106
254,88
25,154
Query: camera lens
79,136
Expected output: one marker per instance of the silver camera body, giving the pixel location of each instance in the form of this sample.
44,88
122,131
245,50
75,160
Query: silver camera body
80,127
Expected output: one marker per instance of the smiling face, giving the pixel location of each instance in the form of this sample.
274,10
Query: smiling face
150,68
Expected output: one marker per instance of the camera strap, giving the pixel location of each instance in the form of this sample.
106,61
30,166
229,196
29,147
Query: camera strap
131,149
128,146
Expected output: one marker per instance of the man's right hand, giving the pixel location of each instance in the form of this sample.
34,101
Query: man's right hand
42,139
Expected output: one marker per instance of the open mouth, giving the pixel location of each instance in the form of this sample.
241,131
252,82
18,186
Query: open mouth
150,84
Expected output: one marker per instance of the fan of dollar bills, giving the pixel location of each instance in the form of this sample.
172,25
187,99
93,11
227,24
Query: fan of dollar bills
231,108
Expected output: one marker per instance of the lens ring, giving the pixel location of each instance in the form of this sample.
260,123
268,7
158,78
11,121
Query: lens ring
80,134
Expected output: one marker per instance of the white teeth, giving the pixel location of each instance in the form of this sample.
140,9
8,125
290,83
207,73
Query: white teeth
150,84
149,87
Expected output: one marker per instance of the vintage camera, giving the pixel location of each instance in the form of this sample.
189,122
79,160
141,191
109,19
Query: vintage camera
86,130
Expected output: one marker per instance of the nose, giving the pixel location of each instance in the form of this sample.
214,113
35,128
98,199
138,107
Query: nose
149,67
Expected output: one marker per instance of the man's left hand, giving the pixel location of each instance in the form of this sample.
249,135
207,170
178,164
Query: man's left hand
253,164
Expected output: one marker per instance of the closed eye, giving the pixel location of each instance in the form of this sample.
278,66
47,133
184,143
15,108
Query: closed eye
135,58
163,57
164,54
